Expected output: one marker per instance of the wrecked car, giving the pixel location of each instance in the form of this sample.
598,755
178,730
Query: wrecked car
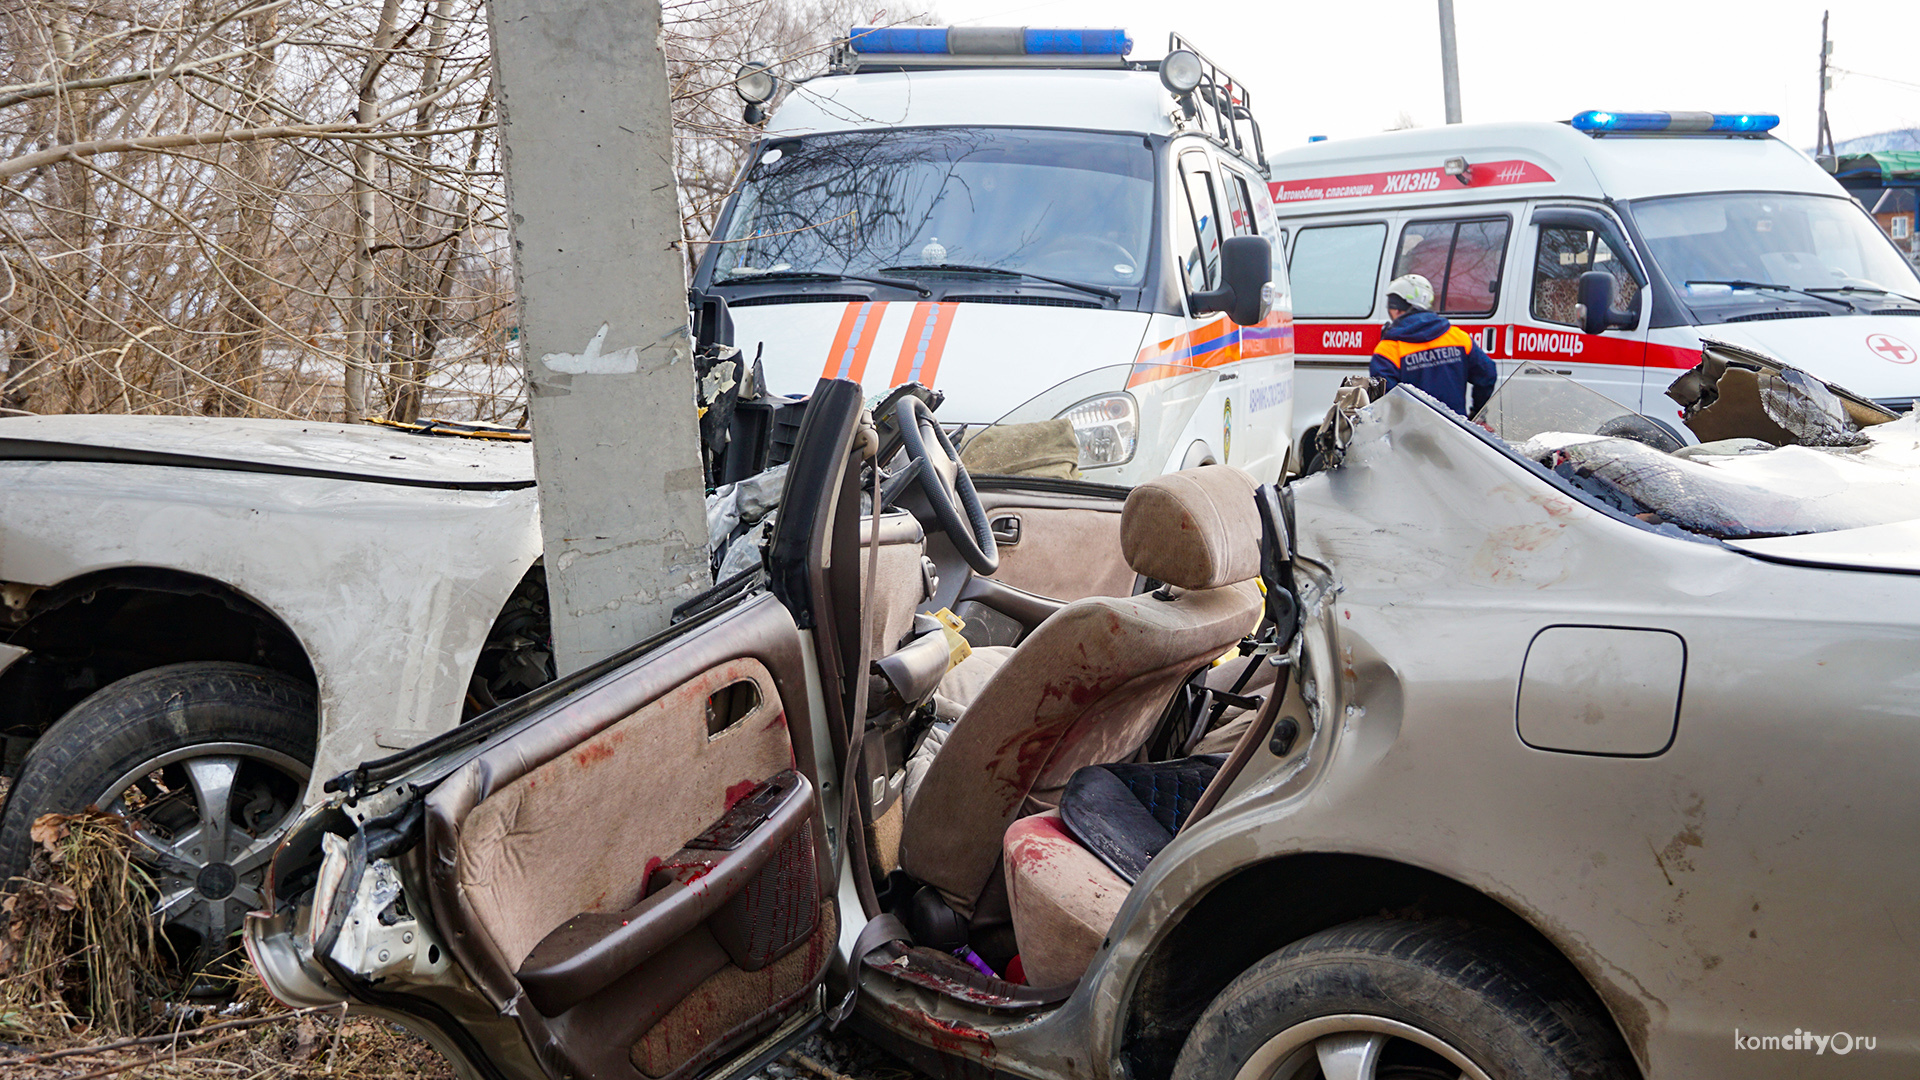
1551,750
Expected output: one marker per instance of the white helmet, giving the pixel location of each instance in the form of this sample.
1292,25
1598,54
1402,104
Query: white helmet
1414,289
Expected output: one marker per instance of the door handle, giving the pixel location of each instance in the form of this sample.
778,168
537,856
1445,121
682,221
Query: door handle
1006,530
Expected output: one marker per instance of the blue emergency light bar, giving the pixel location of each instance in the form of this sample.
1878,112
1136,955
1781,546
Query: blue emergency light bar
1601,122
987,41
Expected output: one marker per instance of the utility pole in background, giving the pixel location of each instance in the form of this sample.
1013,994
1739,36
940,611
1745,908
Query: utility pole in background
586,137
1823,139
1449,62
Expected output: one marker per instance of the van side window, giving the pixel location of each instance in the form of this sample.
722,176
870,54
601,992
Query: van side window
1461,258
1202,263
1240,206
1563,255
1335,270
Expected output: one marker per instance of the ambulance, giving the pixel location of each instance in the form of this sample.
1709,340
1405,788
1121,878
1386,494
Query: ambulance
1029,223
1605,249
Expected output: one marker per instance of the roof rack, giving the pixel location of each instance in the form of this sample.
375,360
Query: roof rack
1220,105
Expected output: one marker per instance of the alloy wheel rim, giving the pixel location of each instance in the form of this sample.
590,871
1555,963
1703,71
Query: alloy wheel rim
207,819
1357,1046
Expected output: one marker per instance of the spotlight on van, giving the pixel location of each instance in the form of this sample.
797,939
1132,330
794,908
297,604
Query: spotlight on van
756,84
1181,72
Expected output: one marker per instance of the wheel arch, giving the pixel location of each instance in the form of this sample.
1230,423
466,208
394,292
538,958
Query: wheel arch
100,627
1263,907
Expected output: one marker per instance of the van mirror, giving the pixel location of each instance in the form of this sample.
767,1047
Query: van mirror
1596,314
1246,281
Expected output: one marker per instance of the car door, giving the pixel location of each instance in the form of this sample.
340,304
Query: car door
1566,242
641,875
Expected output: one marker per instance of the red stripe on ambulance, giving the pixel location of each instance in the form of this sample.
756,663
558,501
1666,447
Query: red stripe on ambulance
1408,182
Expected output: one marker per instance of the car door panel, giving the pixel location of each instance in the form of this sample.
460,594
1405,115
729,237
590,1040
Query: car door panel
1067,548
638,878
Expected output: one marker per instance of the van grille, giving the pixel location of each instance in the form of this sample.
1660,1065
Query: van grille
1760,315
1033,301
797,298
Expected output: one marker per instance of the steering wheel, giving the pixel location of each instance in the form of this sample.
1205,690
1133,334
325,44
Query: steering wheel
947,485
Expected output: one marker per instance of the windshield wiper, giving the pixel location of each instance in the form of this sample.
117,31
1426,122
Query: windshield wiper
1738,283
1874,289
960,268
823,275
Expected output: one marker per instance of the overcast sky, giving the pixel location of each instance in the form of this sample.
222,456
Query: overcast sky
1351,67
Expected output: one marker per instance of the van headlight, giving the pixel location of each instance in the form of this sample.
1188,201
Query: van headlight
1107,429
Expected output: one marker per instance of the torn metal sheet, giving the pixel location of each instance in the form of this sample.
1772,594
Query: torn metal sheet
1742,393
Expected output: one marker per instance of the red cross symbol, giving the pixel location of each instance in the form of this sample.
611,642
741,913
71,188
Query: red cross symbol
1888,347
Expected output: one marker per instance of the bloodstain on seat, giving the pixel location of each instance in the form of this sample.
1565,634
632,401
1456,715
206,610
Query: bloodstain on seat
736,792
593,753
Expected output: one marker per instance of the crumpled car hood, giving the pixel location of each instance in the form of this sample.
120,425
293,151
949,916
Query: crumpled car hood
373,452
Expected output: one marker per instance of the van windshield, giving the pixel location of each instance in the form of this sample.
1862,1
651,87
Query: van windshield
1061,204
1724,253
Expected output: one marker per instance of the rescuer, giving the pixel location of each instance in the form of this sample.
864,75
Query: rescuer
1422,349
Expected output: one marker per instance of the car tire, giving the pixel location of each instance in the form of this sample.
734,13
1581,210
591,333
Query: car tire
159,746
1392,999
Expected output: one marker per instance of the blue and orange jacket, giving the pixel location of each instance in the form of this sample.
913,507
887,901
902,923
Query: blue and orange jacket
1424,350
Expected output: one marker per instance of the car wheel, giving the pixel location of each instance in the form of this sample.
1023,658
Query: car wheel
1390,999
209,761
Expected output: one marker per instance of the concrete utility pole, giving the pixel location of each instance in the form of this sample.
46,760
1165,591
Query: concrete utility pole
587,137
1823,139
1449,62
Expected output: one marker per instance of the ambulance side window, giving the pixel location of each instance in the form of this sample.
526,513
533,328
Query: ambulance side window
1335,270
1563,255
1461,258
1202,262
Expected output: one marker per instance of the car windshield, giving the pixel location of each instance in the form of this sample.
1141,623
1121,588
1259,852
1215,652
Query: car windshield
1063,204
1725,253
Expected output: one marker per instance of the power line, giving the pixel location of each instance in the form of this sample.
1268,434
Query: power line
1876,78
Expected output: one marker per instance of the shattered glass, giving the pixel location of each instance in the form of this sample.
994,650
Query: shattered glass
1836,475
1776,492
1809,411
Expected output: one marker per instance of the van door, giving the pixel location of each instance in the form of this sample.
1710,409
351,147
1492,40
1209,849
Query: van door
1260,385
1565,242
1209,341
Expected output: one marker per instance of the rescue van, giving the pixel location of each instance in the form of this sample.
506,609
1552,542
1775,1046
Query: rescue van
1605,248
1029,223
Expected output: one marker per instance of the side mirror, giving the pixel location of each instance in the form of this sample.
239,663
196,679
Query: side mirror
1246,281
1596,312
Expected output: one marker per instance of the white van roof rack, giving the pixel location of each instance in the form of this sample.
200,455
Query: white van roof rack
1221,107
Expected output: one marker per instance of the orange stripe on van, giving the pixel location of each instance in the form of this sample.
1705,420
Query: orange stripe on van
926,340
853,342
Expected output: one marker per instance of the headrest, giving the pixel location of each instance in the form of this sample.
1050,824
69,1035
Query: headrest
1196,529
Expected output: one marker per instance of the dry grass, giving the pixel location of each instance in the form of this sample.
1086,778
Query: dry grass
82,997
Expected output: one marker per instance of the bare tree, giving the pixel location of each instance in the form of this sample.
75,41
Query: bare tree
294,207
